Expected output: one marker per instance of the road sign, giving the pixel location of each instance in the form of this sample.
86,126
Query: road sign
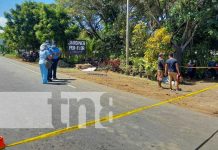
77,47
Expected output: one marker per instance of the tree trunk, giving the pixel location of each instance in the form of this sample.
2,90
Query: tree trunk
180,48
178,55
178,52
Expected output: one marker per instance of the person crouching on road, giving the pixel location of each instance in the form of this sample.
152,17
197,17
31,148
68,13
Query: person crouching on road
43,56
160,71
172,67
56,54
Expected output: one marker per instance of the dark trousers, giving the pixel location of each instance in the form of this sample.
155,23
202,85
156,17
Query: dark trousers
53,70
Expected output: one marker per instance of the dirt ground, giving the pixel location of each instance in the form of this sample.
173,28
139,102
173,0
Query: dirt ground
206,102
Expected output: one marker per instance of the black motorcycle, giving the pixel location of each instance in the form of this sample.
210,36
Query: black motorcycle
30,56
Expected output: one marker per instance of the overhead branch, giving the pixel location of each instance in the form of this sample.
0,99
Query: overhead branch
94,30
185,31
155,19
190,38
179,29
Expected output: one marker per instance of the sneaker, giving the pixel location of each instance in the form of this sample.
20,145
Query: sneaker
49,80
55,78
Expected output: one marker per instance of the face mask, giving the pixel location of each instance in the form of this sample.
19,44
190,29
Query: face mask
43,47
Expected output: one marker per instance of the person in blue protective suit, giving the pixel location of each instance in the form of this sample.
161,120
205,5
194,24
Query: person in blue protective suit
56,55
49,47
44,54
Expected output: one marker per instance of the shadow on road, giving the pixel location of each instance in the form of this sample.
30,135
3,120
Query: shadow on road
188,83
207,140
65,80
61,81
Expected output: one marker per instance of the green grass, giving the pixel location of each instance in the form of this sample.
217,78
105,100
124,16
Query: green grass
12,56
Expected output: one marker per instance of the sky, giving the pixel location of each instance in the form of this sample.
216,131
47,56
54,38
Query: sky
6,5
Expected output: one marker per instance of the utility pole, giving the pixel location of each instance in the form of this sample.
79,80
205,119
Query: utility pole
127,35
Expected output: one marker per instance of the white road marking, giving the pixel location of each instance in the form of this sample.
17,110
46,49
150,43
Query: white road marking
71,86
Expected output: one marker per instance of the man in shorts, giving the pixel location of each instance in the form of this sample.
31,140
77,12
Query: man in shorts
172,67
160,70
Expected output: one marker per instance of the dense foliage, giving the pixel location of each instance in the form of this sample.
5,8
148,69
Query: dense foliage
31,23
187,27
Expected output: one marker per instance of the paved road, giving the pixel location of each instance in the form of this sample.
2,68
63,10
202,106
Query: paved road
162,128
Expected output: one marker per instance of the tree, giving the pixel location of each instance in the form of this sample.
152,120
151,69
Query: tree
19,31
189,18
153,12
159,42
139,36
55,25
92,15
31,23
100,20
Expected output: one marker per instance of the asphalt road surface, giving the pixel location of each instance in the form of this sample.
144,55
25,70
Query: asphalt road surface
167,127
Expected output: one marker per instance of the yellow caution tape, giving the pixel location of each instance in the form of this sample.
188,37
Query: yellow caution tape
106,119
200,67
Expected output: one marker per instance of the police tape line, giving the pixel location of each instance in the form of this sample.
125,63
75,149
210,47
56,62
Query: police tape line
107,119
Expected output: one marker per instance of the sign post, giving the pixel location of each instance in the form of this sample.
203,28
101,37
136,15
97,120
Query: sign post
77,47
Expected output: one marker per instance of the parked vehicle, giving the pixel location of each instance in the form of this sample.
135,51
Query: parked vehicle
31,56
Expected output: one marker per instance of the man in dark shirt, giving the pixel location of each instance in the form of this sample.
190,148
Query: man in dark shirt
160,71
172,67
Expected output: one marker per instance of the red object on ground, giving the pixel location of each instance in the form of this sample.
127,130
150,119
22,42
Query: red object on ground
2,143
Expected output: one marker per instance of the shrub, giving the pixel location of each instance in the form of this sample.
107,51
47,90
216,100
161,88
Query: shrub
159,42
138,66
139,37
114,64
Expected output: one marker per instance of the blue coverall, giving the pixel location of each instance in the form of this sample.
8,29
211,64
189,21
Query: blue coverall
43,55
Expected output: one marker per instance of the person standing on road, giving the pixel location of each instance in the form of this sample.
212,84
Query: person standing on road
160,71
43,56
49,47
172,67
56,54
